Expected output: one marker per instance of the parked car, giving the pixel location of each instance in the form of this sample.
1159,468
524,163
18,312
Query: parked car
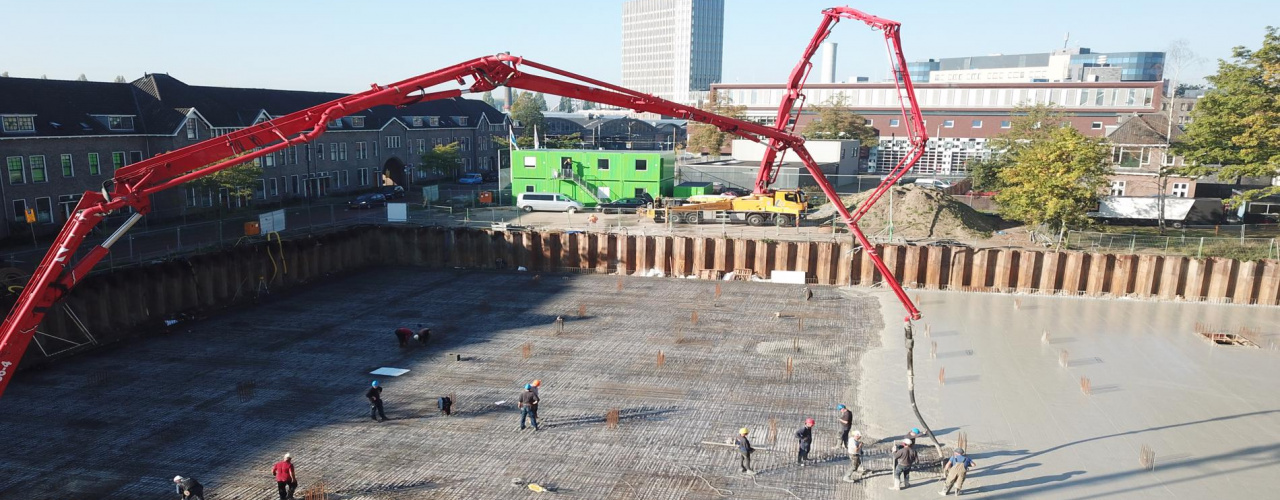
392,192
368,201
947,242
933,184
626,205
471,178
550,202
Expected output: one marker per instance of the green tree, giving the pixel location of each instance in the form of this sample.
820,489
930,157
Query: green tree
442,160
571,141
82,78
524,142
1235,131
1054,181
487,97
239,181
566,105
1030,125
526,111
541,101
705,138
836,121
588,105
120,79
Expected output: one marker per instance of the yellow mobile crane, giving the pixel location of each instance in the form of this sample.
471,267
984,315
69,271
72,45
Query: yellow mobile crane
783,207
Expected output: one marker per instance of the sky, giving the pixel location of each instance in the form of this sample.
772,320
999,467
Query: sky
343,46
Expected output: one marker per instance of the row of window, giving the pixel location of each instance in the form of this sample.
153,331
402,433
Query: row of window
973,123
44,208
272,187
34,168
566,162
1176,189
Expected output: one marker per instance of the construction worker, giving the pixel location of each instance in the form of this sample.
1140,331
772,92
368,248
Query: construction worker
189,488
537,384
805,435
423,334
954,470
446,405
915,433
808,294
855,458
375,402
286,481
904,456
744,451
528,406
402,335
846,423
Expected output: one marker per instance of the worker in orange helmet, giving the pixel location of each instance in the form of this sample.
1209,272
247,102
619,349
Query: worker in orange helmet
805,435
536,385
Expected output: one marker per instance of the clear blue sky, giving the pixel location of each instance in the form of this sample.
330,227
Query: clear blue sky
343,45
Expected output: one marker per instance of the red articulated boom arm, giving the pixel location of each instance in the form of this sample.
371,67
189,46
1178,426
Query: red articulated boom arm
133,185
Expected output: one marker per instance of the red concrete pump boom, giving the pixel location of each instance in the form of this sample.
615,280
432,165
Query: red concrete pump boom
133,185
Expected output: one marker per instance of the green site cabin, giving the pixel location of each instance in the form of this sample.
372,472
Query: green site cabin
587,176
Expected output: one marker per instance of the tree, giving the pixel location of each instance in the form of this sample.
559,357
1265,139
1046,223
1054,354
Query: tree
120,79
442,160
705,138
1054,181
1183,88
44,77
588,105
239,181
82,78
1236,127
1177,56
487,97
566,105
1032,124
541,101
526,111
570,141
836,121
4,75
523,141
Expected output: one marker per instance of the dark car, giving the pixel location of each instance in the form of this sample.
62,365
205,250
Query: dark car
368,201
489,175
628,205
392,192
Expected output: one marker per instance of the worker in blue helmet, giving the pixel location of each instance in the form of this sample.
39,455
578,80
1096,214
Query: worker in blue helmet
915,433
846,423
528,404
375,402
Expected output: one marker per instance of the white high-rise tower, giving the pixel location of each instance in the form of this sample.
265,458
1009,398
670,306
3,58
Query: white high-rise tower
672,48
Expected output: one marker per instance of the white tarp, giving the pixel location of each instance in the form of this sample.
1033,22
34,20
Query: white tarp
271,222
1130,207
387,371
792,277
397,212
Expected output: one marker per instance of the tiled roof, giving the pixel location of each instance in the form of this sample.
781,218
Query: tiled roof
63,107
1146,128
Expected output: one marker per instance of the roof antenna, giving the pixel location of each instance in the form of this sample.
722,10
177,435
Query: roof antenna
1066,40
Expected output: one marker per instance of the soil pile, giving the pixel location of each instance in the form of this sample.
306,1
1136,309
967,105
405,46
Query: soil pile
918,213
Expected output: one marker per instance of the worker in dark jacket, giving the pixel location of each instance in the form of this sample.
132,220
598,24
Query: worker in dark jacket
904,456
402,335
375,402
846,423
744,451
805,435
189,488
528,406
423,335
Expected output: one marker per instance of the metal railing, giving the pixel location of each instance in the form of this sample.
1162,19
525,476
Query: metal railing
1178,244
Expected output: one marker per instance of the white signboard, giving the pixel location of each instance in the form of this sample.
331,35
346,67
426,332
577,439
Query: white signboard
794,277
397,212
272,222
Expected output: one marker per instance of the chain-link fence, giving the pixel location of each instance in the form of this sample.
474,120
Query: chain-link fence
1181,244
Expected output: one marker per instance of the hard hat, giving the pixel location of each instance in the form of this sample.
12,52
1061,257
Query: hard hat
528,386
375,383
906,441
959,451
537,383
857,433
915,430
839,407
744,431
808,421
177,478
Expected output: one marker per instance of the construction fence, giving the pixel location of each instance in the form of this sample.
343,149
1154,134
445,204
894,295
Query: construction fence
1240,248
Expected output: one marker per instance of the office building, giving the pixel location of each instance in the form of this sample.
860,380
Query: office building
1062,65
672,48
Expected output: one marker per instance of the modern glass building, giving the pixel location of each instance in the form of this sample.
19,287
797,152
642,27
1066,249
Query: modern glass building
672,48
1063,65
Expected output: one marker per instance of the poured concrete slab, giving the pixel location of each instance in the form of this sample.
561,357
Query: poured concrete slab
1210,414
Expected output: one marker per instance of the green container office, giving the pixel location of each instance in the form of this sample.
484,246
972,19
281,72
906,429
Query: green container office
590,175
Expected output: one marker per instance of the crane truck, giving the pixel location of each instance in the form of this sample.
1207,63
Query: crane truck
782,207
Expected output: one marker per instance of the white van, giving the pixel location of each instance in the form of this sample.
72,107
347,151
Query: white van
933,183
549,202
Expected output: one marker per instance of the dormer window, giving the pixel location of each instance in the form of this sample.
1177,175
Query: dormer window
460,120
434,120
335,123
120,122
416,120
357,122
19,123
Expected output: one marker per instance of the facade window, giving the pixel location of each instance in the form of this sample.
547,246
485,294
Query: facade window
1181,189
357,122
1117,188
293,184
19,123
868,123
464,143
261,191
466,164
362,176
193,132
462,121
1167,158
1095,126
977,124
642,165
948,123
527,189
1129,157
135,157
422,146
117,160
342,151
434,121
67,169
375,148
345,178
335,123
640,192
269,160
68,203
529,161
17,171
275,188
393,141
416,121
95,167
39,173
602,164
44,210
362,150
319,150
895,122
291,155
120,122
1005,124
1084,98
20,210
333,151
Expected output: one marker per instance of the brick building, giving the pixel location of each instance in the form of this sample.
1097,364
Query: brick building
1139,151
61,138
